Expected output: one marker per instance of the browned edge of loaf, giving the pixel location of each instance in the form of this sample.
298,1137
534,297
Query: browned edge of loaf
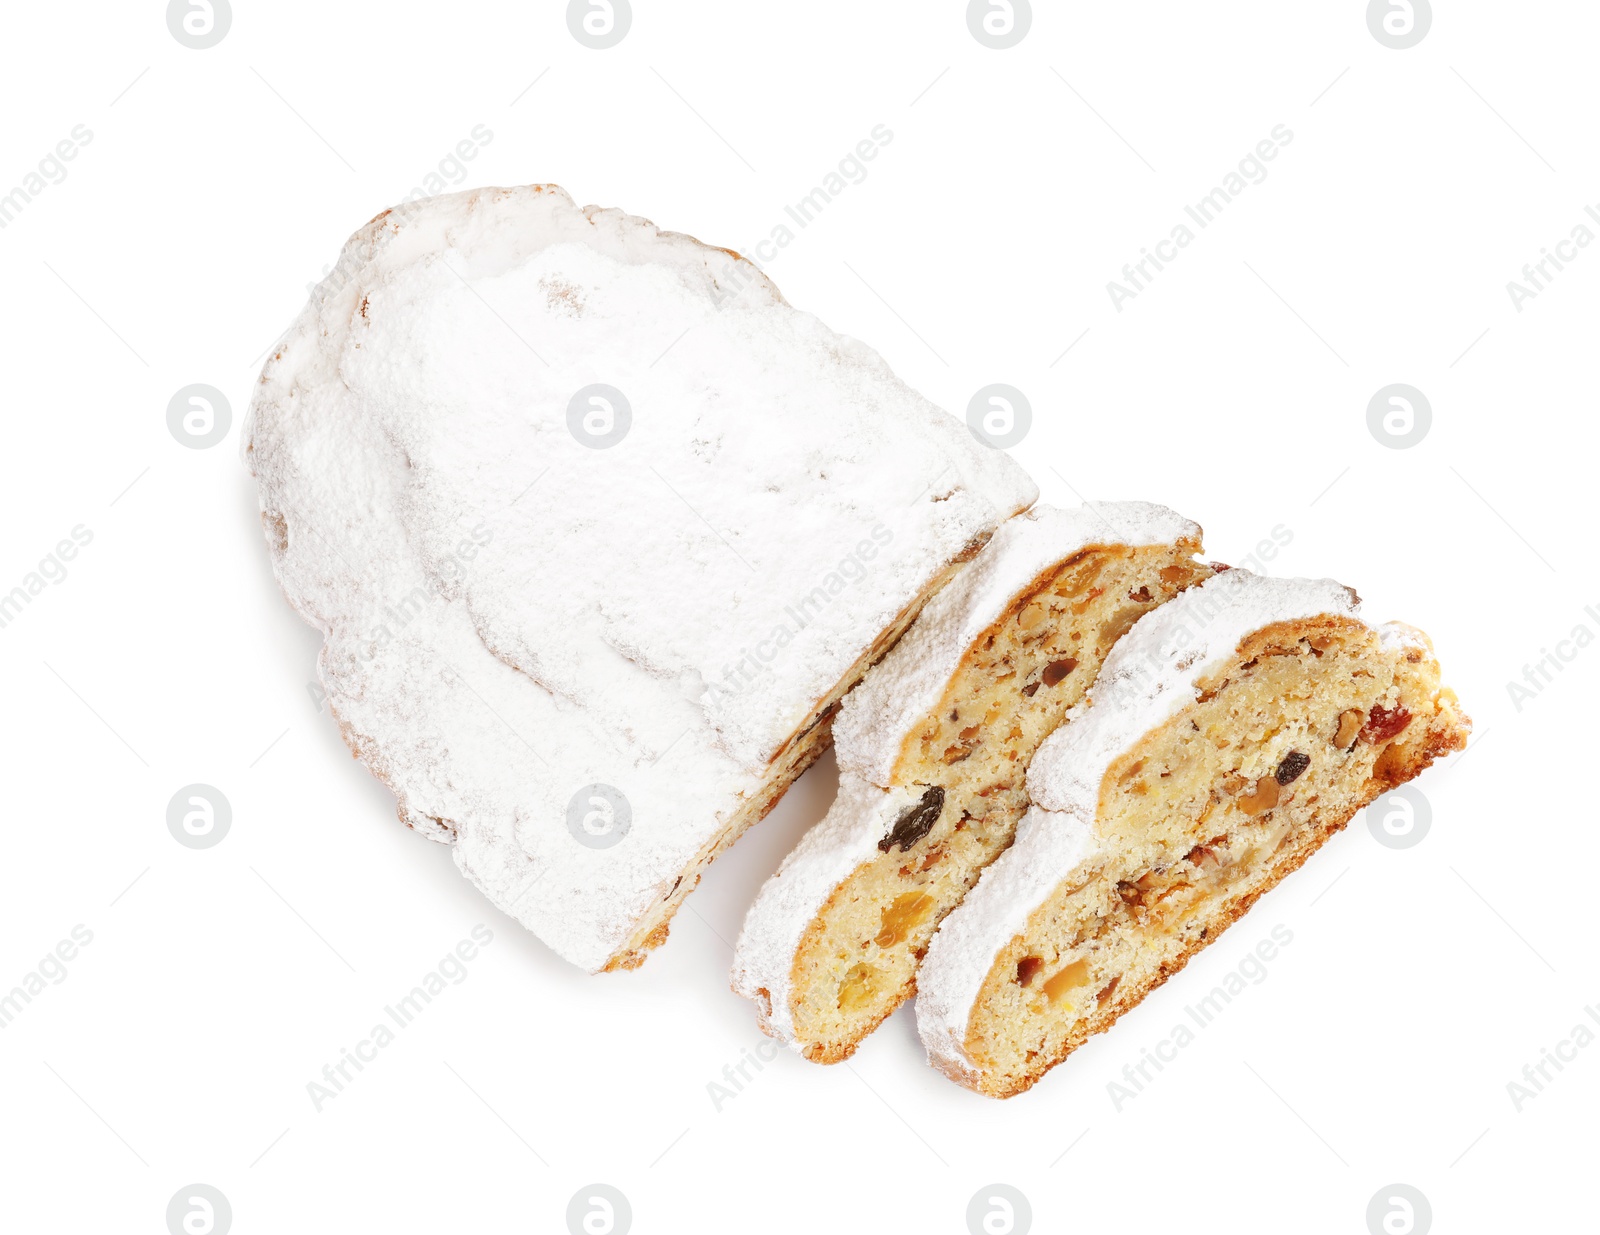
821,1052
798,752
1443,739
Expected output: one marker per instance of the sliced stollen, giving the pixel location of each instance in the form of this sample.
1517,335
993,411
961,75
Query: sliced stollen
932,749
1227,737
598,530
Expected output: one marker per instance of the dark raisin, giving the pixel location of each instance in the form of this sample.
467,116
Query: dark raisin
1294,763
1058,669
1028,969
915,822
1030,688
1382,724
1142,595
1219,567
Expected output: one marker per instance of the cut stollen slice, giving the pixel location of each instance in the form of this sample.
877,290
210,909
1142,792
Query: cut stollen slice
1227,737
932,747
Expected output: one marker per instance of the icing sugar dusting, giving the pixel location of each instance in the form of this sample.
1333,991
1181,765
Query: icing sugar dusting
512,615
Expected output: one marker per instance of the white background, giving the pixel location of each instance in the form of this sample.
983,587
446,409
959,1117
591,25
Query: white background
219,982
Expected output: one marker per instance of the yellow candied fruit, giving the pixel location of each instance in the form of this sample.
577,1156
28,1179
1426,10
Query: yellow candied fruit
1031,615
1068,979
858,987
901,916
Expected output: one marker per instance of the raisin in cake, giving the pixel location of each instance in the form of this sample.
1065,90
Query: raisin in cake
1227,737
598,530
932,750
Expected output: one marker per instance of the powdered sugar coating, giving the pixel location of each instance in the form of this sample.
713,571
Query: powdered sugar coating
891,700
848,835
906,685
1147,678
512,616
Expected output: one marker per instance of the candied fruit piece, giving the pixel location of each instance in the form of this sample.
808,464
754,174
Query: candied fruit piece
1293,766
858,987
901,916
916,821
1070,978
1384,723
1056,670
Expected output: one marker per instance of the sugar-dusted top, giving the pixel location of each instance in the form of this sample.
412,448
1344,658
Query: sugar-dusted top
530,586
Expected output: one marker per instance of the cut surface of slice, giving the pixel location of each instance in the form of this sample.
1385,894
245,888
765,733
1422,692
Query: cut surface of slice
933,747
1227,738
